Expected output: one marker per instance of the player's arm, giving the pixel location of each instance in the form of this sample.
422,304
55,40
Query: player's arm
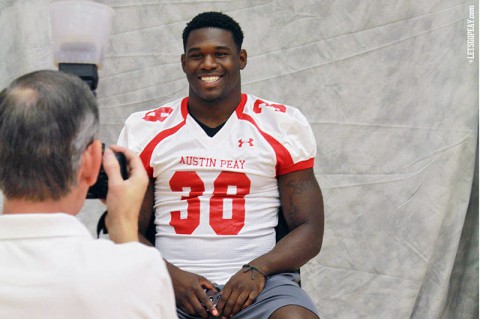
302,205
146,213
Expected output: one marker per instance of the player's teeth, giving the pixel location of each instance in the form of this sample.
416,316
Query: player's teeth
210,78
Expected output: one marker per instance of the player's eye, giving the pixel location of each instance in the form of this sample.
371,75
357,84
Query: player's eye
195,56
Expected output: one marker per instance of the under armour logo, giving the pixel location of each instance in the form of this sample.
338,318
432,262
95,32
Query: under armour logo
249,141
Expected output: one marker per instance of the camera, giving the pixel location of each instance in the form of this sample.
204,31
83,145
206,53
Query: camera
88,73
100,188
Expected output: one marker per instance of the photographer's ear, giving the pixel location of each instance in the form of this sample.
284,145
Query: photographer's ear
90,163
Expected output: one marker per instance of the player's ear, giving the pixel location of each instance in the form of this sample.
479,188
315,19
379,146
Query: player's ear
182,59
243,59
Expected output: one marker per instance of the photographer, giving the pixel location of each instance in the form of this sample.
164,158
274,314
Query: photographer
51,267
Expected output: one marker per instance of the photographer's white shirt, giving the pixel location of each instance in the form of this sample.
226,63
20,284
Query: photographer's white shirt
51,267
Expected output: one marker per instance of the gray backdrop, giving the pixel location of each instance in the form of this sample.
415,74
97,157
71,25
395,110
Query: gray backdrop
393,102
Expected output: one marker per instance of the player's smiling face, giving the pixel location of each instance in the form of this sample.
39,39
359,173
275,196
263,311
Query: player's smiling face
212,64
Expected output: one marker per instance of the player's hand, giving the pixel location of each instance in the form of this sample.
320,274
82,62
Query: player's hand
190,292
240,292
124,197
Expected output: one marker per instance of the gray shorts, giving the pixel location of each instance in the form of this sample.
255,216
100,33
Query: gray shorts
280,290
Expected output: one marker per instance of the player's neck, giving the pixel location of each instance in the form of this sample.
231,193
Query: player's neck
212,113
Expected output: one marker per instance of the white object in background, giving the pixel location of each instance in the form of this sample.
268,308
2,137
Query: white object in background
80,31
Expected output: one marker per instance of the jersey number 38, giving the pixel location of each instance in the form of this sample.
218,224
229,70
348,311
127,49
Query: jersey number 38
222,191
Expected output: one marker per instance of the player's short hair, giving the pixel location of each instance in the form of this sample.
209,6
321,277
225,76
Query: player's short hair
213,19
47,119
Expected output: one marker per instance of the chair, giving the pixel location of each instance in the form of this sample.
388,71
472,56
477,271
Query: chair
280,230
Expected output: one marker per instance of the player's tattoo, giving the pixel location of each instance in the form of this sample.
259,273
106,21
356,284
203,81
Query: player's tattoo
297,188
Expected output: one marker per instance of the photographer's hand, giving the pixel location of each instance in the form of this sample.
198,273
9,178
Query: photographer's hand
124,197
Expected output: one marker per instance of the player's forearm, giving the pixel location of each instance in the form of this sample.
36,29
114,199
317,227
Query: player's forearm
175,272
302,207
171,268
293,251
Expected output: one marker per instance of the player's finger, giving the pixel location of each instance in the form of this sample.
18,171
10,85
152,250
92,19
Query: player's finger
200,310
209,306
240,303
207,303
188,304
250,299
237,304
221,302
230,303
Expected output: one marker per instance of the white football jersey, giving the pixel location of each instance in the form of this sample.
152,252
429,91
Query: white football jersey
216,198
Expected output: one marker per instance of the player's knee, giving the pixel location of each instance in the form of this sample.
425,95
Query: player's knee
293,312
